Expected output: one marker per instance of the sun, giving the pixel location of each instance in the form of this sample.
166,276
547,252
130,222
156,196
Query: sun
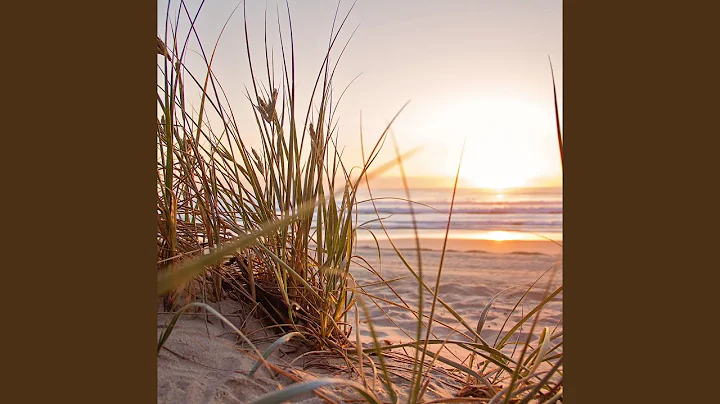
505,139
497,178
498,164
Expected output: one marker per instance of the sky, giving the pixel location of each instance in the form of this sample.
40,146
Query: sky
474,71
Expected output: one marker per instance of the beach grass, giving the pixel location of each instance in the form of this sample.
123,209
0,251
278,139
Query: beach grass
275,227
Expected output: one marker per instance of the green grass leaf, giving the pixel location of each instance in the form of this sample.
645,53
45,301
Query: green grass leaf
275,345
281,396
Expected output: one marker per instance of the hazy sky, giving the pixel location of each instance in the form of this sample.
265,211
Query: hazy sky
471,69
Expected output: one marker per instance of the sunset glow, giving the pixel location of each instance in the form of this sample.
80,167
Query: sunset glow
508,140
496,95
500,236
349,144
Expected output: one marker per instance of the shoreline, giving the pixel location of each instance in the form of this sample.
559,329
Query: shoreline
459,245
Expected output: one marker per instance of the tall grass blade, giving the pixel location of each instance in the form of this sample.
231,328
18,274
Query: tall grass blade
557,114
436,292
542,350
377,349
483,318
272,348
545,301
542,383
281,396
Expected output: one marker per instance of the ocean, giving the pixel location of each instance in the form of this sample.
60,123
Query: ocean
480,214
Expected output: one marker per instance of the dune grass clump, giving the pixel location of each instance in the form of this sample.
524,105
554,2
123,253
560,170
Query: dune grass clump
293,192
274,226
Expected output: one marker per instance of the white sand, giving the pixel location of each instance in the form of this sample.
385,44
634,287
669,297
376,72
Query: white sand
202,368
213,369
468,281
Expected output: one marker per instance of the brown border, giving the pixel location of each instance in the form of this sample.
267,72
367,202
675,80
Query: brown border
637,112
78,153
78,198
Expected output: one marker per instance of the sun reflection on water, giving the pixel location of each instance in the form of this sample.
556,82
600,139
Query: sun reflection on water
501,235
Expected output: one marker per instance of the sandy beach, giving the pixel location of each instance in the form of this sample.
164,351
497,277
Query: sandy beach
469,280
476,158
204,363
